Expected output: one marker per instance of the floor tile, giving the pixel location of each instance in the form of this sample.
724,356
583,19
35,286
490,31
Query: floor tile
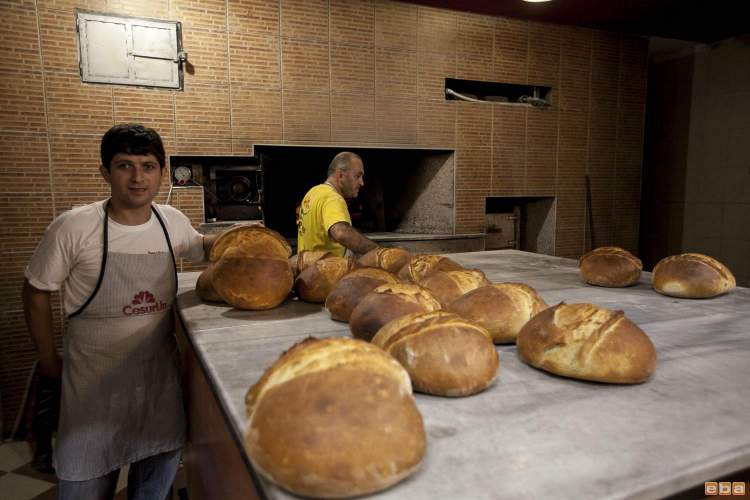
28,470
18,487
14,454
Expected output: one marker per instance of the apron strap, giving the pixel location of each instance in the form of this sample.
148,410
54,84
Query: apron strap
105,245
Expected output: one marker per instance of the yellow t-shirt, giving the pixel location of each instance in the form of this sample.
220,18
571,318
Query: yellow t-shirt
321,208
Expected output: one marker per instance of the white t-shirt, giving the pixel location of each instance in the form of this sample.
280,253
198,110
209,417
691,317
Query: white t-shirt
70,252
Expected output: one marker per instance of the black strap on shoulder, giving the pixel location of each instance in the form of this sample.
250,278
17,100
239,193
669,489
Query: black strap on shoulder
169,245
105,244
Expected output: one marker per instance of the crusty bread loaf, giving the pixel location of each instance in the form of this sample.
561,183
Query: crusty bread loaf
350,289
308,257
316,281
391,259
204,287
610,266
421,266
444,354
692,276
447,286
334,418
252,283
502,308
251,241
388,302
587,342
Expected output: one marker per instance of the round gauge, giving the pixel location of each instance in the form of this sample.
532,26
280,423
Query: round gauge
182,174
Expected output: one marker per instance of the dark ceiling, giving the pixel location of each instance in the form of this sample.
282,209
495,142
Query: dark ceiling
695,20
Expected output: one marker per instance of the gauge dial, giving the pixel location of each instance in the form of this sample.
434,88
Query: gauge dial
182,174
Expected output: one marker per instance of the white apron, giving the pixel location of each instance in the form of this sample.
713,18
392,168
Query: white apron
121,395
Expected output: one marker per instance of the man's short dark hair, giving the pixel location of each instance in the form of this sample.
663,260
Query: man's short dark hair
131,139
342,161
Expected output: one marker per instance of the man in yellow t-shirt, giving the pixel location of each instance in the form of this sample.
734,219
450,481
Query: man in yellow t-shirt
324,222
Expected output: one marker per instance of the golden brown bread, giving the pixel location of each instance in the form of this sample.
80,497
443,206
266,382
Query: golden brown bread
391,259
388,302
204,287
252,283
350,289
334,418
587,342
502,308
444,354
421,266
447,286
308,257
251,241
316,281
610,266
692,275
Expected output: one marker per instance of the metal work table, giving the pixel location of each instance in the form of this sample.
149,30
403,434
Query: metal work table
532,434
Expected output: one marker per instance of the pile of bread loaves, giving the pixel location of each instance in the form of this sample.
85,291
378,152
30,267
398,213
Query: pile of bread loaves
336,417
688,275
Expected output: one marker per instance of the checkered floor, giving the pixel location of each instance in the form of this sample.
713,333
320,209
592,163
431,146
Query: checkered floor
20,481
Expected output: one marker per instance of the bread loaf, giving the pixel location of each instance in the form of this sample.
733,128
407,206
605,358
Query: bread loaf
316,281
447,286
391,259
502,309
204,287
251,241
421,266
692,276
444,354
350,289
305,258
610,266
334,418
388,302
587,342
252,283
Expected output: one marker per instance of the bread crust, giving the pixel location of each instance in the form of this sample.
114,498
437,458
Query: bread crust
317,280
388,302
204,287
252,283
421,266
251,241
587,342
447,286
334,418
692,276
351,288
503,309
444,354
392,259
610,267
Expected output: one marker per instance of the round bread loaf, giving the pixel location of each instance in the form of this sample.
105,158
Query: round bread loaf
421,266
502,309
252,283
316,281
204,287
444,354
251,241
350,289
308,257
334,418
447,286
587,342
610,266
692,276
388,302
391,259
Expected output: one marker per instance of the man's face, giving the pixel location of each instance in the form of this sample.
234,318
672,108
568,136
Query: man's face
352,179
134,179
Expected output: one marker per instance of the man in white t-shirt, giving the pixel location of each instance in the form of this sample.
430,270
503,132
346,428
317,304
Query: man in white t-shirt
115,259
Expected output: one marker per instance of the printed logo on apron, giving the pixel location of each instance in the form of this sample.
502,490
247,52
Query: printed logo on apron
143,303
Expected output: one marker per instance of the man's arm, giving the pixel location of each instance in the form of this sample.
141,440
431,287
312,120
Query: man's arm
208,242
352,239
38,313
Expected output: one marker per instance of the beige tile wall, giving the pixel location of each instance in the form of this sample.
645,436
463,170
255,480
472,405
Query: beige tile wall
324,71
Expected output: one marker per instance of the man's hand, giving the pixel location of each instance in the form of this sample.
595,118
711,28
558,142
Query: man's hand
352,239
38,312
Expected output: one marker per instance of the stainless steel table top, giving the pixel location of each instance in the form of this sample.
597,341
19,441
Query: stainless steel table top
532,434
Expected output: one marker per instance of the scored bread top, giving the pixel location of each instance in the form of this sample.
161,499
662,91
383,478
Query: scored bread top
253,241
389,258
315,355
720,268
421,266
411,293
401,328
524,297
375,273
612,251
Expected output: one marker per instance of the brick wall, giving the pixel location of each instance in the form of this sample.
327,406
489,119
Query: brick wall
355,72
